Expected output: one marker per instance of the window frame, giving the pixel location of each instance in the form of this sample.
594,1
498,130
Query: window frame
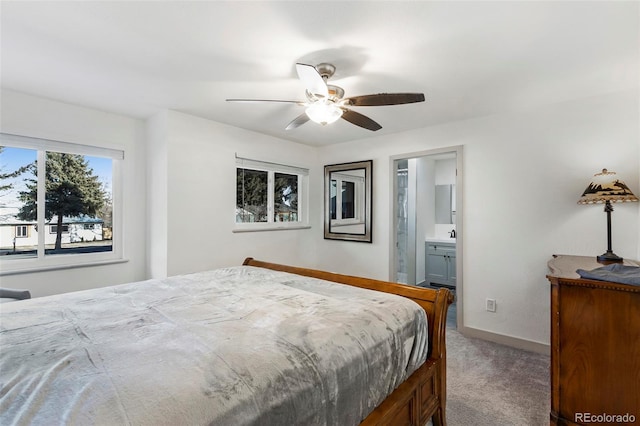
42,262
53,228
358,199
271,169
20,234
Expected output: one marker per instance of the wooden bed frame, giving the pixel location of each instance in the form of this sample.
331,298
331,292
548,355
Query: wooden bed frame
423,395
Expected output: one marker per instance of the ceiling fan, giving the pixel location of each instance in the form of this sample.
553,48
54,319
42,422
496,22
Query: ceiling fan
326,103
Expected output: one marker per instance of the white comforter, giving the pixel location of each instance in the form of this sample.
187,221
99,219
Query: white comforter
231,346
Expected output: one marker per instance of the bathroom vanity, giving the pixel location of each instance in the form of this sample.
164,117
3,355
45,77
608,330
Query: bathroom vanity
440,262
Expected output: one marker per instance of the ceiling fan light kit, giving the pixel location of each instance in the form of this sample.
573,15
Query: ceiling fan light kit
326,103
324,112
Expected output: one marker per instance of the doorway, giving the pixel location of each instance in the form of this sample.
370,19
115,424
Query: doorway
426,233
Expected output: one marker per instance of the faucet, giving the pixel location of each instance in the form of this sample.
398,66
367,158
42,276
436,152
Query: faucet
452,233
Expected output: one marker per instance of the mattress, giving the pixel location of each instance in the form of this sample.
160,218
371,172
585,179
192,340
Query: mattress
232,346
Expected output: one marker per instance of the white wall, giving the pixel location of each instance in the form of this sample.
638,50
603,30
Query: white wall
27,115
200,191
156,195
523,173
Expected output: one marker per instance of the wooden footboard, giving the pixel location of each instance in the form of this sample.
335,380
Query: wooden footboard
423,395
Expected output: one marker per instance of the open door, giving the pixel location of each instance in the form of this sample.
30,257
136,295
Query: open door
427,208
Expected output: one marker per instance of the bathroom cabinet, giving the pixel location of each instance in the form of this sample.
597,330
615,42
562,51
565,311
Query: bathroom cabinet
440,263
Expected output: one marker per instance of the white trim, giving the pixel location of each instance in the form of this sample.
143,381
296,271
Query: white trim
58,146
459,151
117,213
42,261
514,342
270,196
30,270
271,169
41,201
358,199
264,226
249,163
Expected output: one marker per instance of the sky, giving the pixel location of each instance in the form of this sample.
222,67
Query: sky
13,158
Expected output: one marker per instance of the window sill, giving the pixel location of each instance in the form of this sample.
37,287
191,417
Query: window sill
46,268
269,227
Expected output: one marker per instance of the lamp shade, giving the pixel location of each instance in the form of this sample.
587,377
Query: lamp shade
605,186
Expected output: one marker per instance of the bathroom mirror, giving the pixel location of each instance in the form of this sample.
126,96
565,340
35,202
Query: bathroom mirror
347,201
445,204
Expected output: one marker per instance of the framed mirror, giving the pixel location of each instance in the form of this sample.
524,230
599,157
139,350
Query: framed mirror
347,201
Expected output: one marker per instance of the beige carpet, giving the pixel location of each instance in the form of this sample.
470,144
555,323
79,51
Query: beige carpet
491,384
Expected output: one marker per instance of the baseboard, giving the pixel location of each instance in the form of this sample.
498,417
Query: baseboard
514,342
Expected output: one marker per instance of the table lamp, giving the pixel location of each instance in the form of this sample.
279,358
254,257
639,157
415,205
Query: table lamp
606,188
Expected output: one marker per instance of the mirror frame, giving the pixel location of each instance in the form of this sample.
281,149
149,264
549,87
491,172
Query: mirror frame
367,165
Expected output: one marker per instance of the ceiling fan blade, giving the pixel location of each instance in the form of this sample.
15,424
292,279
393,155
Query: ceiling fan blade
360,120
266,100
312,79
298,121
385,99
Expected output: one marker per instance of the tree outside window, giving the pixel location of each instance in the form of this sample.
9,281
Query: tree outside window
270,196
59,195
72,191
251,195
285,197
78,205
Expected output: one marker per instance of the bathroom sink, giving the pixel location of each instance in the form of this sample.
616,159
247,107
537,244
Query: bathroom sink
441,240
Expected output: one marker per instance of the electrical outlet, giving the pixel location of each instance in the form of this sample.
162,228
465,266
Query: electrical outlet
491,305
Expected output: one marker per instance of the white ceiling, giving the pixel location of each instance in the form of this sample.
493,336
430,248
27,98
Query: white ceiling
469,58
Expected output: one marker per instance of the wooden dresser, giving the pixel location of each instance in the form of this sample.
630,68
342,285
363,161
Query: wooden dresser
595,346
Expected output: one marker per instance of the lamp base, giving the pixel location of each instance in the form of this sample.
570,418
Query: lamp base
609,257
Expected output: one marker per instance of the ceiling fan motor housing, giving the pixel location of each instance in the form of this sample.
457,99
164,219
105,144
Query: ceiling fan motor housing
335,94
325,70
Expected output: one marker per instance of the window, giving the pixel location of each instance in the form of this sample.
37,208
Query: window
53,229
346,197
67,190
21,231
270,196
251,195
285,197
348,200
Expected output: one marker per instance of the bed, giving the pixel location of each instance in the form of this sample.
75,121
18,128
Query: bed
260,343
